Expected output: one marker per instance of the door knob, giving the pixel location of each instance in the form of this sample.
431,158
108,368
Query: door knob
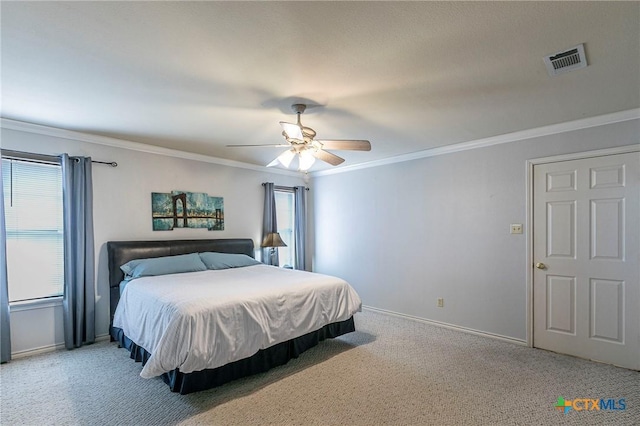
541,265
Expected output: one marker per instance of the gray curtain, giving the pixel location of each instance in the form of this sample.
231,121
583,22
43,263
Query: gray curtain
79,278
5,330
300,194
269,223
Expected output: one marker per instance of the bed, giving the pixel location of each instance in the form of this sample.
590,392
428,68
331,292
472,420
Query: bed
300,310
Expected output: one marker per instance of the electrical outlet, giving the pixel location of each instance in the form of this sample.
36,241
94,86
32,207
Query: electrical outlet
440,302
516,228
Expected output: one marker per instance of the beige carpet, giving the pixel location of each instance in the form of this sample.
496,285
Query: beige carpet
391,371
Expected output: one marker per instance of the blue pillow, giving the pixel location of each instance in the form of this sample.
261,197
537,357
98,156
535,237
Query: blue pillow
215,260
163,266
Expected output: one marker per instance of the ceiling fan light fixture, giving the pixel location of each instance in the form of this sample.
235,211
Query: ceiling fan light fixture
286,157
305,160
292,131
302,144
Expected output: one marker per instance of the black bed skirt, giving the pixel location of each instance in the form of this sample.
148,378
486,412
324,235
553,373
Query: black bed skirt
262,361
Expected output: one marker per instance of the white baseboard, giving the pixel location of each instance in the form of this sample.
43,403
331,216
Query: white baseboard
449,326
49,348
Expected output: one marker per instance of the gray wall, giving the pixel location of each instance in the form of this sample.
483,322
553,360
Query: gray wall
408,233
122,211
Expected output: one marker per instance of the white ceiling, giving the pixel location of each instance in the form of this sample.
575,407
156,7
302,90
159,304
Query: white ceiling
410,76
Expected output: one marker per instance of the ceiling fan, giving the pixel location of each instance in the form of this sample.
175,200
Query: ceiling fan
301,143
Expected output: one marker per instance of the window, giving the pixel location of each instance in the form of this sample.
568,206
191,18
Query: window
33,219
285,214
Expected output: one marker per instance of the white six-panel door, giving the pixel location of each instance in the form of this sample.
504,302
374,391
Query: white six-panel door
586,279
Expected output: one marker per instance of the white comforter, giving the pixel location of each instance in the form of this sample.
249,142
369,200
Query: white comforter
199,320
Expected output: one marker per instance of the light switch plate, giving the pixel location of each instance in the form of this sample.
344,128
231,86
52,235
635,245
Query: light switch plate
516,228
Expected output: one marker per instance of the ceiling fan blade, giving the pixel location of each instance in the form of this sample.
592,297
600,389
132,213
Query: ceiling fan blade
348,145
327,157
282,145
293,131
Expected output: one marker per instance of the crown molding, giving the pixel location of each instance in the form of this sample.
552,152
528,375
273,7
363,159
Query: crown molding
39,129
584,123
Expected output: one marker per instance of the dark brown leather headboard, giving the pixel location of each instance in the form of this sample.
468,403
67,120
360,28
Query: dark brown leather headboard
120,252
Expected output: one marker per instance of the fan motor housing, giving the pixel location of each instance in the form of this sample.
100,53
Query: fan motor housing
298,108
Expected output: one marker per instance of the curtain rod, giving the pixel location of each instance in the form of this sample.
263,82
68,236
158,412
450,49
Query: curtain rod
110,163
284,188
42,158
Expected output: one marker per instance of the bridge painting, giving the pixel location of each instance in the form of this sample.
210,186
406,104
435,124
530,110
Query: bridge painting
183,209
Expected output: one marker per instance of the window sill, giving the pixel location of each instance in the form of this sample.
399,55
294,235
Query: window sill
28,305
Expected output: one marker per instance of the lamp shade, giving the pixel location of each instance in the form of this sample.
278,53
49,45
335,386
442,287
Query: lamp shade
273,240
286,157
305,160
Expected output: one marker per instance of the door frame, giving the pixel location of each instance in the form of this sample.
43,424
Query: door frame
529,214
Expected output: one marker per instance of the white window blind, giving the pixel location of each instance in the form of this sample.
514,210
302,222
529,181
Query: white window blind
285,215
33,219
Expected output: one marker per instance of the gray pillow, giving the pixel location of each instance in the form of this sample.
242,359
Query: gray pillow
163,266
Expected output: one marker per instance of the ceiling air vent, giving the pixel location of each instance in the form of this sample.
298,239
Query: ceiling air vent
569,60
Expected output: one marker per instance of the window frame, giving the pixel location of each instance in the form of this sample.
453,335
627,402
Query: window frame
53,299
291,244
